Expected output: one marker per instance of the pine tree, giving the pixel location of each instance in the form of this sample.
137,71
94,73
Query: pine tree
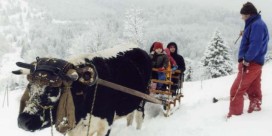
268,57
217,59
188,74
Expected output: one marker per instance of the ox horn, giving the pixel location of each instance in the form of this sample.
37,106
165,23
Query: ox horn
21,72
72,74
25,65
28,68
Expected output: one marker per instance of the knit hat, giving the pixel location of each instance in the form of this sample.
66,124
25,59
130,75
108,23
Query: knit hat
248,9
157,45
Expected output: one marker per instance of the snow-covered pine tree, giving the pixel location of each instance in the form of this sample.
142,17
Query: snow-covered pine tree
133,26
188,74
217,59
268,57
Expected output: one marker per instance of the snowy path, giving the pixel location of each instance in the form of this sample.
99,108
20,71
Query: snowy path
197,116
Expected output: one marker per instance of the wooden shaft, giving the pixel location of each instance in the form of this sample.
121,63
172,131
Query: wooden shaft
128,90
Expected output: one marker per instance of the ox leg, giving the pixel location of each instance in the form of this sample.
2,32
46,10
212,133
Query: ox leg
139,119
130,118
140,114
99,127
103,129
108,133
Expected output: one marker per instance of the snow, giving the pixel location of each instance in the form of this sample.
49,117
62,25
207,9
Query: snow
107,53
196,116
38,25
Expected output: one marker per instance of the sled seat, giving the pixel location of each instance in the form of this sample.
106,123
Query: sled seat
161,92
167,82
168,73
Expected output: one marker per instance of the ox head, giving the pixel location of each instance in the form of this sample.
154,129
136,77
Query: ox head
48,78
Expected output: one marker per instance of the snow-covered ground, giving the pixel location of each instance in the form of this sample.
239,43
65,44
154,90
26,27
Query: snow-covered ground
197,116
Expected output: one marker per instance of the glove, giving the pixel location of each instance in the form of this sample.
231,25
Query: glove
245,66
174,68
241,33
152,52
161,69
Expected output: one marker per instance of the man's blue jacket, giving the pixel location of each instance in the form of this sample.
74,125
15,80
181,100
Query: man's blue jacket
255,40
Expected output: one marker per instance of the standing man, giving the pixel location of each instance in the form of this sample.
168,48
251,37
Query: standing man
251,59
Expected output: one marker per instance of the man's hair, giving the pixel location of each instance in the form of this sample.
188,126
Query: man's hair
248,9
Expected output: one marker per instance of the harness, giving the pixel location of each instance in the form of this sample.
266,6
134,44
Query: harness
50,113
49,72
52,72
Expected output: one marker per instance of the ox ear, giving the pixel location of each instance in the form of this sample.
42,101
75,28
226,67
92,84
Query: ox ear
21,72
72,74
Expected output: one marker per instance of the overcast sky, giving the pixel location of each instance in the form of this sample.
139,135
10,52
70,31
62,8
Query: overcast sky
87,8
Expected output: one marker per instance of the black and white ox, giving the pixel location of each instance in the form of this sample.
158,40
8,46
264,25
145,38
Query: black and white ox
92,105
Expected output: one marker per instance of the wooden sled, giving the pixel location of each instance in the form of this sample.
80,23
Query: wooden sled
172,92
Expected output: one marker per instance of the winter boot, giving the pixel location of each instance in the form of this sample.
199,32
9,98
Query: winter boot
230,114
254,105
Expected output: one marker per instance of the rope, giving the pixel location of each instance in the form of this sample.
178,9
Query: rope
91,112
50,111
94,96
239,85
51,121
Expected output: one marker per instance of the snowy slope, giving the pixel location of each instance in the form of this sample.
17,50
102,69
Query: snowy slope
197,115
7,64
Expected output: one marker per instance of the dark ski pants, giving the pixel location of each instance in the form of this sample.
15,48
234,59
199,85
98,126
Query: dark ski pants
247,81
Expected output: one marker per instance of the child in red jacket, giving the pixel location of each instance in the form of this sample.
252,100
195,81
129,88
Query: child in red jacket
159,61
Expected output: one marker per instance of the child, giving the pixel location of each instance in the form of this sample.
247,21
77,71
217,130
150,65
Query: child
173,63
159,61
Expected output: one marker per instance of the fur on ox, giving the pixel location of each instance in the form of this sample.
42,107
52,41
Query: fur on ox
125,65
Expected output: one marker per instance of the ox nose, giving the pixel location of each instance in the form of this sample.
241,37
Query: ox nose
29,122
